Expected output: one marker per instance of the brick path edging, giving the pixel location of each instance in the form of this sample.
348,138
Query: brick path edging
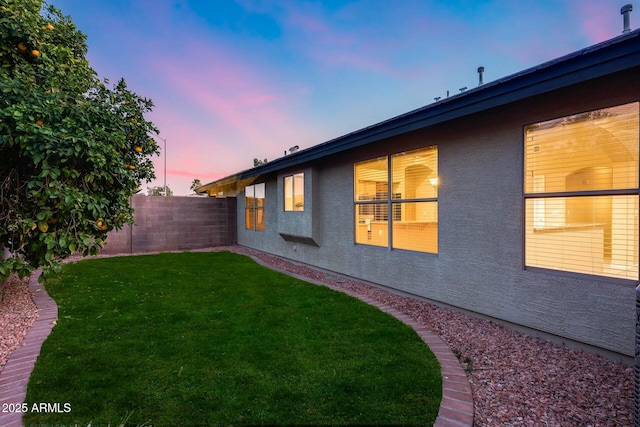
456,407
15,375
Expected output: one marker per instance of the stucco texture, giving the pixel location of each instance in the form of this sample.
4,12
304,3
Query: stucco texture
479,266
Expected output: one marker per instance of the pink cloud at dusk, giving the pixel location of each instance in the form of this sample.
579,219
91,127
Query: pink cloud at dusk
230,109
598,22
237,80
240,104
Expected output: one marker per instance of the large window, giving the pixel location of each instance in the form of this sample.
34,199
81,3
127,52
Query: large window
581,193
254,207
294,192
396,201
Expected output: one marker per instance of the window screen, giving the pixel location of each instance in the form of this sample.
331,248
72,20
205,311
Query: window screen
581,193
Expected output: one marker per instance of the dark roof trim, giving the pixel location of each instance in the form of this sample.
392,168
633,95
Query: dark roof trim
617,54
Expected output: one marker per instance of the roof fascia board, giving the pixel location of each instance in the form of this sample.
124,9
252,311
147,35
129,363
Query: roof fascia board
575,68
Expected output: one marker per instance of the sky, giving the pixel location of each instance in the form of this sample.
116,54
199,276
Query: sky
236,80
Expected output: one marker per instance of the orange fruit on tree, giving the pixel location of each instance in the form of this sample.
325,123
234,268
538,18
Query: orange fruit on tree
48,27
131,167
138,149
35,52
22,47
43,226
39,122
103,227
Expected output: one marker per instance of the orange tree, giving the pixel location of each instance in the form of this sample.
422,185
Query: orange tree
72,149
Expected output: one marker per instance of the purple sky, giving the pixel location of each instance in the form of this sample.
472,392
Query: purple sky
234,80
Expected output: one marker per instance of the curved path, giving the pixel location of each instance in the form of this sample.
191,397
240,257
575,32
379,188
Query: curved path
456,407
15,375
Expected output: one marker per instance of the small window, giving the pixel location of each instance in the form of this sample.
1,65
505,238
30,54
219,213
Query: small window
294,192
254,196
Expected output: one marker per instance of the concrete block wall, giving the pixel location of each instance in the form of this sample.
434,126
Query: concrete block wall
175,223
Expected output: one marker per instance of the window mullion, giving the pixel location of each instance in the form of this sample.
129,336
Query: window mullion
430,199
255,218
618,192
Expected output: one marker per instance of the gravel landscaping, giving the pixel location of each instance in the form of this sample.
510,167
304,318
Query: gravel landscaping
17,314
516,379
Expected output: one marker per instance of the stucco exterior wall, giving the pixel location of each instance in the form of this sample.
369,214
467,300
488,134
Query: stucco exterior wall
299,226
480,263
175,223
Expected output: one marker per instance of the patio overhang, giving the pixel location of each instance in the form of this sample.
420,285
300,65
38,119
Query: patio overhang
228,186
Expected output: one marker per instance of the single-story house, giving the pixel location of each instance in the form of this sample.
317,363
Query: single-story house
516,200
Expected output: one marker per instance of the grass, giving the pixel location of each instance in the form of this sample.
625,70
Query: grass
215,338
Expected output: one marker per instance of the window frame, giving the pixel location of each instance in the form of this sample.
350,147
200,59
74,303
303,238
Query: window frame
534,195
390,204
289,185
256,210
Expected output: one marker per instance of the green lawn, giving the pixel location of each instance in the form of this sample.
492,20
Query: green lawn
214,338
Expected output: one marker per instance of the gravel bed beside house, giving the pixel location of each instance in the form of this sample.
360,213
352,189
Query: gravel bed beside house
516,379
17,314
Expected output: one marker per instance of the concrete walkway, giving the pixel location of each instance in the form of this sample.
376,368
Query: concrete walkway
456,408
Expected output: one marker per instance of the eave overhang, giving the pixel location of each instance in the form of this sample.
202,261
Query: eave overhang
228,186
618,54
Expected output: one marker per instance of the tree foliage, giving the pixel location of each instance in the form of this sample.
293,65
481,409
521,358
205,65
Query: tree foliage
196,183
159,190
72,150
258,162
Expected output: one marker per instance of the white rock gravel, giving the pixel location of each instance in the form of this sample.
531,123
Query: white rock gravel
516,379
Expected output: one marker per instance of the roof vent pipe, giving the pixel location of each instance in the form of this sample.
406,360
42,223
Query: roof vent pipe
480,72
625,11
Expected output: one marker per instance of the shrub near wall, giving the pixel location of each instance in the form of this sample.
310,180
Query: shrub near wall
175,223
